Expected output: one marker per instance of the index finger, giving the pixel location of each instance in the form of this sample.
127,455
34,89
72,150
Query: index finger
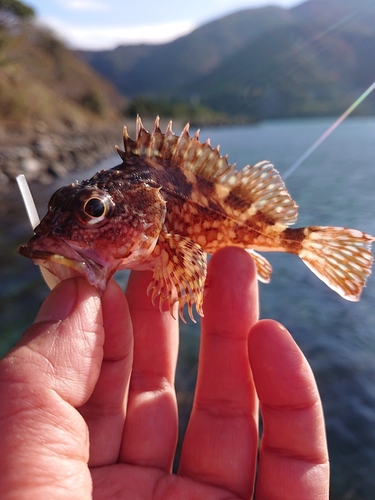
105,411
150,432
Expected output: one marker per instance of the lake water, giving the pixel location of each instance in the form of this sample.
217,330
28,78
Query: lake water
335,186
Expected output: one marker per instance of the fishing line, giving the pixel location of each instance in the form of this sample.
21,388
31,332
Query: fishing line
313,41
327,133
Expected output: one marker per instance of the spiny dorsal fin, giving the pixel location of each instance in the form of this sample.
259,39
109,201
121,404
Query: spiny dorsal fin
257,188
188,153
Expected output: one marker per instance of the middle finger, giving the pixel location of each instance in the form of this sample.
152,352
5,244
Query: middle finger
221,441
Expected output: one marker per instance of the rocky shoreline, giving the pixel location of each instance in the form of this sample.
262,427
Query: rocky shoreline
45,156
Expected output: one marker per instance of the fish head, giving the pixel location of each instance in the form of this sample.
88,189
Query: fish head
96,227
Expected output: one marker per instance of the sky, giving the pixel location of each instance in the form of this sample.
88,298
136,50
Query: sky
104,24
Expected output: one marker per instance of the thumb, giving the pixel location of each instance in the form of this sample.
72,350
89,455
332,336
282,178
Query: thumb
63,349
54,367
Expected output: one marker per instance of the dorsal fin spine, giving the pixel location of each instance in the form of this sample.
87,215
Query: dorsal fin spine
121,153
139,128
169,131
157,125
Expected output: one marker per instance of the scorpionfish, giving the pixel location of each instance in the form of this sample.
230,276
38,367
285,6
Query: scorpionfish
171,201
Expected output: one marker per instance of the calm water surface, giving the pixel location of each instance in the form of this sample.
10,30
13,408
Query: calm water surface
335,186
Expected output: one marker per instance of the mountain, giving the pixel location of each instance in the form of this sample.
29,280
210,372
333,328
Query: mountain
156,69
313,59
301,69
43,81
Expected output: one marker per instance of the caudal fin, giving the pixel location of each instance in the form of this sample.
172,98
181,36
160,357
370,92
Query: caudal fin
340,257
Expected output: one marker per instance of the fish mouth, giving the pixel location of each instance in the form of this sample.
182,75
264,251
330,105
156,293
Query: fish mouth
42,255
62,267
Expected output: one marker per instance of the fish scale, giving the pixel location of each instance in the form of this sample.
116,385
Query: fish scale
171,201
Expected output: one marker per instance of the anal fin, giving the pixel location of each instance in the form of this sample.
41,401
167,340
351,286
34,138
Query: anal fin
264,268
180,268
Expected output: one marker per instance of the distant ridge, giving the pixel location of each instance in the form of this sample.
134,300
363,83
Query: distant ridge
186,59
313,59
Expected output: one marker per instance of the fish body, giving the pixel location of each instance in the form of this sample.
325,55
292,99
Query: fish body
171,201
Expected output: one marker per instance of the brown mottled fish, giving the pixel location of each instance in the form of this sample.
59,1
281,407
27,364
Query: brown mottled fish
171,201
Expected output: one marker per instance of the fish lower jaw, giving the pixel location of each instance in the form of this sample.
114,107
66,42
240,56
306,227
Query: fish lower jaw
56,268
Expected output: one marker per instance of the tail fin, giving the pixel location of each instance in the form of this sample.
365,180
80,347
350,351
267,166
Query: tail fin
340,257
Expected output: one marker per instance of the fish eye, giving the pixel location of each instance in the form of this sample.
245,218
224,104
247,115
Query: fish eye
95,207
92,207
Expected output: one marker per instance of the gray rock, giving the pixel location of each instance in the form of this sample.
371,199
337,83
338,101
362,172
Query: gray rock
57,169
30,166
45,148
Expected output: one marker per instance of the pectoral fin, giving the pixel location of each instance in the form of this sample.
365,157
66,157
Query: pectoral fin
179,273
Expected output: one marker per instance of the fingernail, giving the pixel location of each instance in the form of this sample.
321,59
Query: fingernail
59,303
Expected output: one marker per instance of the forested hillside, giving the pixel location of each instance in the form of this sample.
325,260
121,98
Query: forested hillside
313,59
40,79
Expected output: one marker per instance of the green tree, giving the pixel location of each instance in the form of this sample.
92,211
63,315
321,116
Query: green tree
17,8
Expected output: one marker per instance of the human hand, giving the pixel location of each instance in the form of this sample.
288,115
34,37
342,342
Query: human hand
89,411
